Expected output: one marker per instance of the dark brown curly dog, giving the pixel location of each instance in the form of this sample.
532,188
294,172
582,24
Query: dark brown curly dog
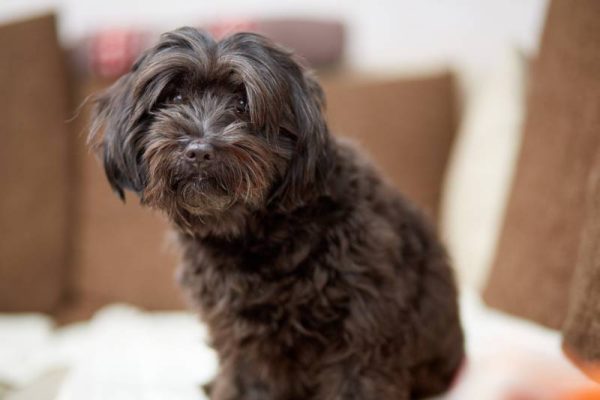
316,279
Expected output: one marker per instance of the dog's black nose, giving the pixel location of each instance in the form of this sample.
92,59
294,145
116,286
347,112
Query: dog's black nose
199,152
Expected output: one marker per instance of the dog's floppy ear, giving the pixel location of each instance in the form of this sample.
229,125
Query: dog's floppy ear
310,161
288,103
311,158
117,122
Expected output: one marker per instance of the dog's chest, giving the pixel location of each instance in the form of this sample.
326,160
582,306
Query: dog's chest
268,296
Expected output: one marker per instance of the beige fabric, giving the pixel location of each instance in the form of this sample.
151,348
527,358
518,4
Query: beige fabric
45,387
479,174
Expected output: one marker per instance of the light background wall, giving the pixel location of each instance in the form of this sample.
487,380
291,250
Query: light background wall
383,35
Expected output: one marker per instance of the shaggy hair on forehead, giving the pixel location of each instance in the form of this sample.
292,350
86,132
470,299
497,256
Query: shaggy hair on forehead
316,279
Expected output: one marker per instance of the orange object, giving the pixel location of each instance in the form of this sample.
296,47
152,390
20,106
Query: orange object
589,368
585,394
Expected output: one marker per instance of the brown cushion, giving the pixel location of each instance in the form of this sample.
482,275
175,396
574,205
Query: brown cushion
33,166
539,244
406,125
319,42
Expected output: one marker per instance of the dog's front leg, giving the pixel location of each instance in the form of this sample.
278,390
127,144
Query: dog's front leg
340,383
236,382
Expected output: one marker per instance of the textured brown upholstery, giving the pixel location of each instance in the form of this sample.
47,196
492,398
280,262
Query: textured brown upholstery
33,167
582,326
540,243
406,125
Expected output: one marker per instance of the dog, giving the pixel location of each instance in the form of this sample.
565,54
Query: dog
316,279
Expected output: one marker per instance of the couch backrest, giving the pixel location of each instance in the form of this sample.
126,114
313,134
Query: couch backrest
34,167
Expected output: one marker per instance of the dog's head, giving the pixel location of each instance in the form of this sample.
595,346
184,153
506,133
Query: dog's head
198,127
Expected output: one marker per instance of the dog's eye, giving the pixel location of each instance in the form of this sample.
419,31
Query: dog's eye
241,106
177,98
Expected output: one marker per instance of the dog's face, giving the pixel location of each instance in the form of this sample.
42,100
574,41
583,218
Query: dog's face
200,127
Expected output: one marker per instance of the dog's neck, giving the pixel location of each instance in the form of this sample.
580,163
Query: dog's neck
270,237
240,227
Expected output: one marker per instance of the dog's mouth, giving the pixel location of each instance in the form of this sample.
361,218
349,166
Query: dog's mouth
210,189
202,193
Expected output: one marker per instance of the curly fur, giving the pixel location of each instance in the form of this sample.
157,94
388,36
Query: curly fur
315,278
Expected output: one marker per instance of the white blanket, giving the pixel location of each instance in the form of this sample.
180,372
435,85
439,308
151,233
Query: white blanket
124,353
